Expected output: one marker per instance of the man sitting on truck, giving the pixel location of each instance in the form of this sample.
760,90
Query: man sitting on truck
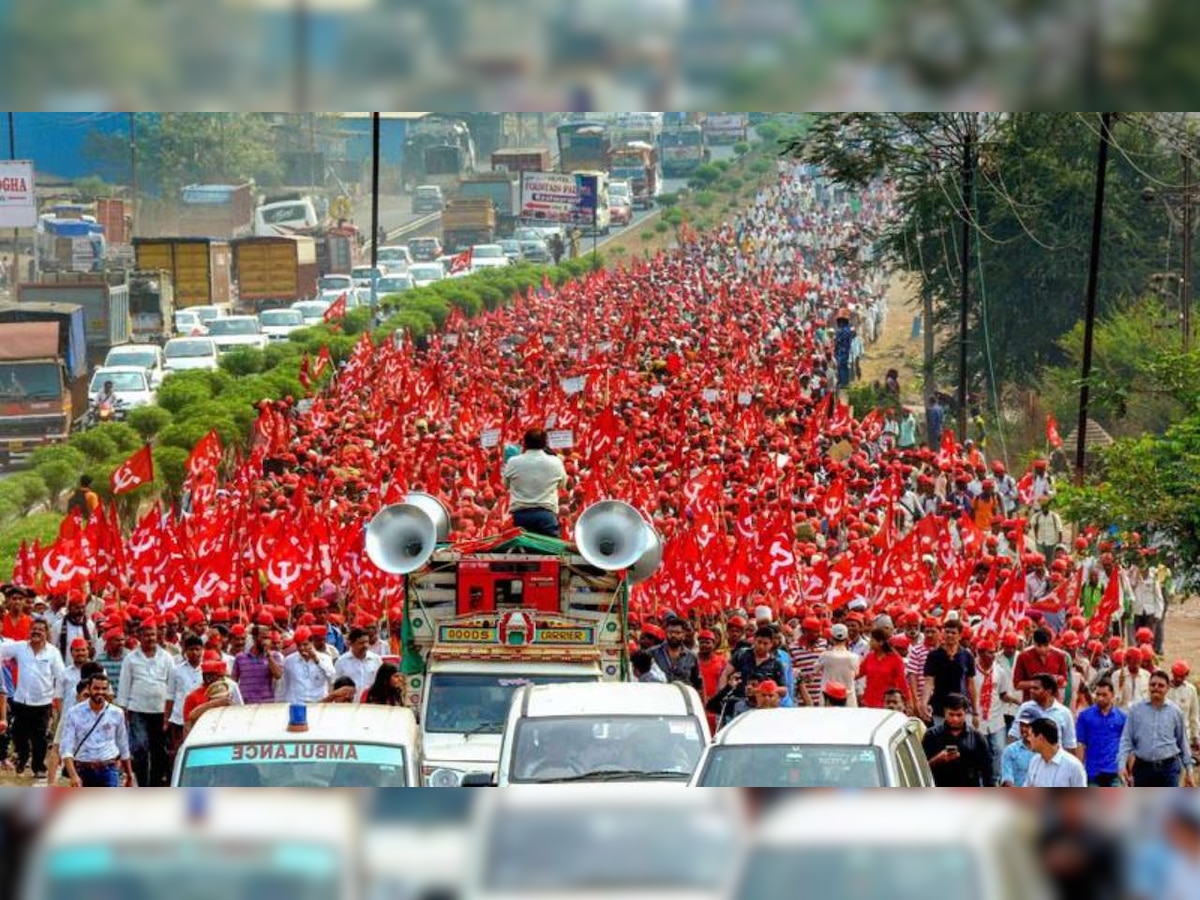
534,479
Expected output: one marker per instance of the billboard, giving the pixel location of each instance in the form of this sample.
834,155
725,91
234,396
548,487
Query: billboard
18,206
564,199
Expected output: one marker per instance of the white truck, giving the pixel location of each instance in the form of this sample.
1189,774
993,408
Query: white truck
481,625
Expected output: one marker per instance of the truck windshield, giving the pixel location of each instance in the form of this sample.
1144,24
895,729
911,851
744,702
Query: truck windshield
580,747
165,867
460,703
178,349
282,215
294,764
30,381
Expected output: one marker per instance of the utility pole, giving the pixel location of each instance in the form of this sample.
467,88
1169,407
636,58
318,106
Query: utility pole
16,257
374,191
968,186
1185,289
1089,321
133,173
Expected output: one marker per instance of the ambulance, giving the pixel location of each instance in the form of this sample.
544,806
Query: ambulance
322,745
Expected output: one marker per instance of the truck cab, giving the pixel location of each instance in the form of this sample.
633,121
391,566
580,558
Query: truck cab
479,626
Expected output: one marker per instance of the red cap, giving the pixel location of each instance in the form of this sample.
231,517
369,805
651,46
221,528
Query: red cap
737,621
768,687
834,690
114,634
987,645
1133,654
302,634
811,623
901,641
212,667
1069,639
706,635
79,644
238,630
654,631
264,618
1010,641
1144,636
1180,669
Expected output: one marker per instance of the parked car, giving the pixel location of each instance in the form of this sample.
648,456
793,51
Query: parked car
277,324
511,248
535,252
393,284
334,283
488,256
191,353
424,249
187,322
148,356
313,311
423,274
602,732
232,332
355,297
827,748
131,385
427,198
393,258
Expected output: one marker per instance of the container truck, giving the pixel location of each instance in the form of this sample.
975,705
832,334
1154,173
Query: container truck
105,310
681,150
637,163
467,221
43,374
583,146
499,187
521,159
274,271
725,128
199,267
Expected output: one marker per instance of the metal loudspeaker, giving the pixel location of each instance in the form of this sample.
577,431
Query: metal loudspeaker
611,535
401,538
435,509
647,564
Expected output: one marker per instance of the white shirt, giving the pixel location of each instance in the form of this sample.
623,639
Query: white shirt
38,672
1063,770
361,670
68,681
185,678
305,681
107,741
533,480
145,681
1001,685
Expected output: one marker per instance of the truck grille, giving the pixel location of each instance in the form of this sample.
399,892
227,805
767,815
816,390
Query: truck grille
32,427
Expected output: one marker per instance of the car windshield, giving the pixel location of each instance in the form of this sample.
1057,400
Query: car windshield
487,251
425,273
30,381
424,808
313,310
510,246
427,193
335,282
392,254
294,764
552,851
224,327
206,314
365,274
578,747
423,244
122,381
143,358
618,190
165,866
479,703
392,283
841,872
533,247
792,765
187,319
186,349
278,317
291,212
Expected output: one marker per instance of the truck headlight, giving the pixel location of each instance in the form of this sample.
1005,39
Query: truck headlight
440,777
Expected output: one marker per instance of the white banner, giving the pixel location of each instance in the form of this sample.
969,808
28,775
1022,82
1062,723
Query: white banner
489,438
18,206
560,440
574,385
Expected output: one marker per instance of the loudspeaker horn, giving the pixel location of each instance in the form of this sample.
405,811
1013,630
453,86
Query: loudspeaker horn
435,509
401,538
650,560
611,535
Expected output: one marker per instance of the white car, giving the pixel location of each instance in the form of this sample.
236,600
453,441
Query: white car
277,324
603,732
393,284
233,332
313,311
826,748
364,275
334,283
393,258
355,297
208,313
147,356
131,385
423,274
488,256
187,322
844,846
191,353
572,842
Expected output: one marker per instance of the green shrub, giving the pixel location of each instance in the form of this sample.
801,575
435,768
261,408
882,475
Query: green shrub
769,131
704,175
94,444
8,510
183,390
741,147
59,475
761,166
148,421
123,436
667,199
58,453
731,184
674,217
12,495
170,467
661,227
280,352
647,236
705,199
417,323
358,320
243,361
42,527
33,489
722,165
437,308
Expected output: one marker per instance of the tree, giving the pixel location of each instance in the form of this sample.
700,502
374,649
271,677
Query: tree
176,149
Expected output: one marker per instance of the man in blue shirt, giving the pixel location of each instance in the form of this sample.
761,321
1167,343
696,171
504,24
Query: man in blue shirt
1098,731
1014,763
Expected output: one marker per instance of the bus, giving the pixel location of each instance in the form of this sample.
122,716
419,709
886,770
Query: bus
681,150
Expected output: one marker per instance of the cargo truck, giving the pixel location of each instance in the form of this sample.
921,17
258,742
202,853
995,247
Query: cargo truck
501,189
515,160
216,210
274,271
725,128
583,146
637,163
151,306
467,221
105,311
43,374
199,267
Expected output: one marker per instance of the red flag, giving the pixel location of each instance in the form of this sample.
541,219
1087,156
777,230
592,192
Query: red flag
206,456
337,309
1025,488
460,262
1052,435
133,473
323,362
304,376
1110,605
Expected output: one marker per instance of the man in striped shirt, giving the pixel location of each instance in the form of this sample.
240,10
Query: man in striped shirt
914,666
805,653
